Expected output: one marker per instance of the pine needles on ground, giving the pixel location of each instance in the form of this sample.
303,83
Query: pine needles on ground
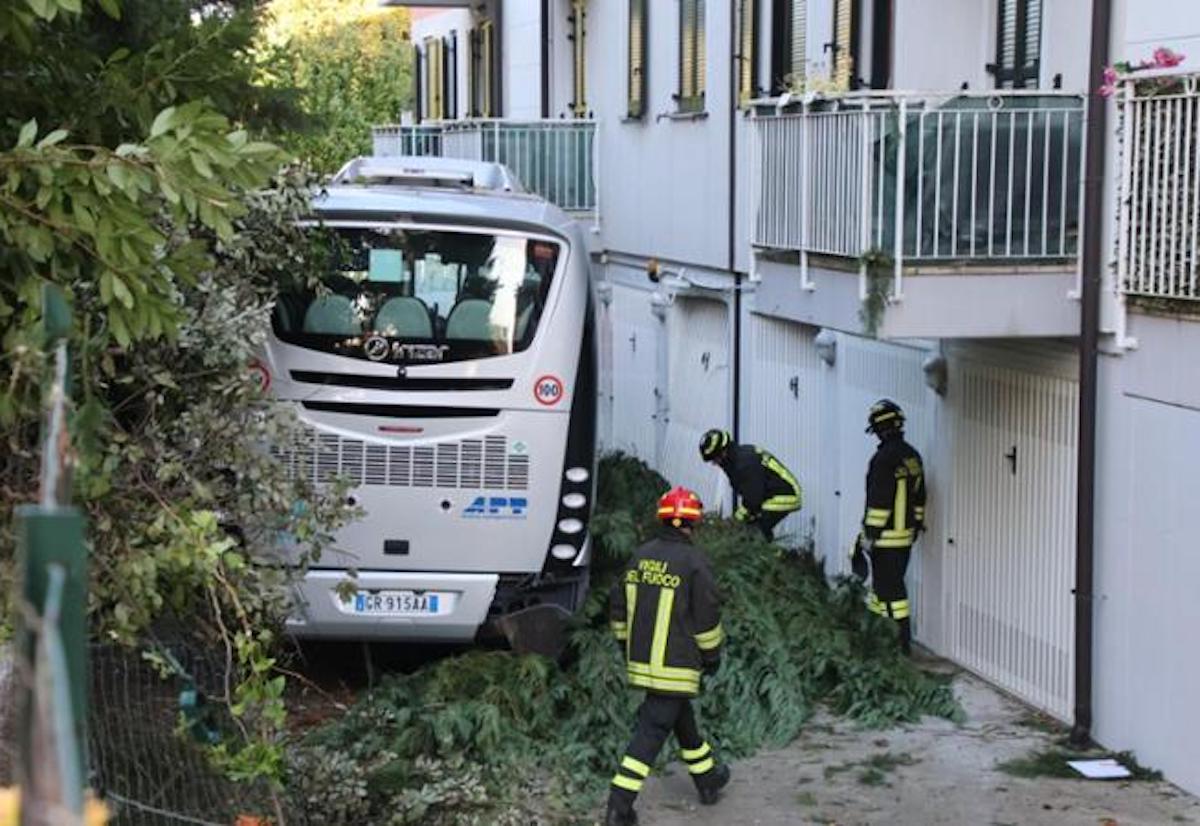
492,737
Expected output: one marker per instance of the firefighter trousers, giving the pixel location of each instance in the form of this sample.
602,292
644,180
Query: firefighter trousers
767,520
889,595
659,716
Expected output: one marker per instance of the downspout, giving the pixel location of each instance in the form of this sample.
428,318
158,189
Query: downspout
1089,338
498,58
545,59
734,90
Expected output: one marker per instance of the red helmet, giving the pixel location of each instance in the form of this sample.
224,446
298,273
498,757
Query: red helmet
680,506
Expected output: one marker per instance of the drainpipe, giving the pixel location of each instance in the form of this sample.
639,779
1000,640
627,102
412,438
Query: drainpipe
734,48
545,59
1089,337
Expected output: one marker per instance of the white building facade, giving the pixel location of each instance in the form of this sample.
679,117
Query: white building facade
852,199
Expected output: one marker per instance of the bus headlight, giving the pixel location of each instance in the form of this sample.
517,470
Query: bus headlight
574,501
577,475
563,552
570,526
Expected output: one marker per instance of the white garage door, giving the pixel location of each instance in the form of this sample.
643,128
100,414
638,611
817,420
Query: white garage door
635,342
698,385
782,409
1010,545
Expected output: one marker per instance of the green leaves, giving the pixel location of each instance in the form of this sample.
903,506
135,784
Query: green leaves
534,734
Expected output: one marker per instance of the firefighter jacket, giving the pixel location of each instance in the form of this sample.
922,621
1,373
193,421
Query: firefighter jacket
666,610
761,480
895,510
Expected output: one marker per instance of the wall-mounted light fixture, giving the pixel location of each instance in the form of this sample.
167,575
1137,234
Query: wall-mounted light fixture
826,344
936,371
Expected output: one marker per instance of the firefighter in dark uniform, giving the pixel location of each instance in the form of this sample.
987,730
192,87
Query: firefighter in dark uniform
768,491
666,611
893,518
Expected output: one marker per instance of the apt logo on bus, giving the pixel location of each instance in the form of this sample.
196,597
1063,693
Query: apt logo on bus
496,507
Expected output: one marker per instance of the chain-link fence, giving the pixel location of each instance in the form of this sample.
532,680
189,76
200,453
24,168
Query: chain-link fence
148,728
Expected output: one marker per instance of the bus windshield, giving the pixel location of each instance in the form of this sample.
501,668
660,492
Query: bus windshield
405,296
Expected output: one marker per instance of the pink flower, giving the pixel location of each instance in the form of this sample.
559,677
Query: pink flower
1164,58
1110,76
1107,90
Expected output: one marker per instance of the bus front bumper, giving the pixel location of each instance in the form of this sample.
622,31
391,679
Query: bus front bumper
388,605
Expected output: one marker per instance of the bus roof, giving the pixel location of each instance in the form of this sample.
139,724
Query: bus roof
433,190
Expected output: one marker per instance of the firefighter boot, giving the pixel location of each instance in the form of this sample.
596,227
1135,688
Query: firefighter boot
620,812
709,785
905,636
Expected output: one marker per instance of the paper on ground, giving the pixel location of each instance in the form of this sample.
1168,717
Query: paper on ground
1107,769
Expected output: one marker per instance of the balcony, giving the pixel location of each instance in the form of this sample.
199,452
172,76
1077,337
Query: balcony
1159,219
959,213
552,158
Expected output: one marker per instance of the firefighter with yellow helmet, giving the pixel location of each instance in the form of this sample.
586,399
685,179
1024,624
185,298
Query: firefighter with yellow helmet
767,491
893,518
666,611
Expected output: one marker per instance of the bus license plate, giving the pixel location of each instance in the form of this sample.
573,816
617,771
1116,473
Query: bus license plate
395,603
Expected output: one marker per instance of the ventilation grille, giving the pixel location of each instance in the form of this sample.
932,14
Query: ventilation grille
486,463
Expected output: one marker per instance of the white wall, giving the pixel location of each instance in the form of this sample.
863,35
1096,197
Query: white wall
1148,24
521,52
665,182
1147,564
939,44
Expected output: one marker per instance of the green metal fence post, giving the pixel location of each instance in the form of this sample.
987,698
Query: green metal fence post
51,640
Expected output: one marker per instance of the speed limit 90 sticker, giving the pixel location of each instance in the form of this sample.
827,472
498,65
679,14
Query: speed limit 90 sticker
548,390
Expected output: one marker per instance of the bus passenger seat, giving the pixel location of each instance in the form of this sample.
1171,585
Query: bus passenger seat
404,317
332,315
471,320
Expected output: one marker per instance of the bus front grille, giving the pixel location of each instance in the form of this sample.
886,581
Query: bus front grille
490,463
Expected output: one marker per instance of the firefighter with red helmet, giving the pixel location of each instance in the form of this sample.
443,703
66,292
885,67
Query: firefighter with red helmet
665,610
893,518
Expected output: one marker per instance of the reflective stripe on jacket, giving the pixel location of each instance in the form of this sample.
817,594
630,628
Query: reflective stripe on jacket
666,609
761,481
895,509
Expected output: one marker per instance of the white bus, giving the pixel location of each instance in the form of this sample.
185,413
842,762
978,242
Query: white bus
447,368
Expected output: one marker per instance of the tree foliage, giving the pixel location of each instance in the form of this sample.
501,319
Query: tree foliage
168,227
352,65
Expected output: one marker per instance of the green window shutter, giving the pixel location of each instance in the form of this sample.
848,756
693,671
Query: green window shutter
692,56
747,53
637,58
487,45
578,34
687,51
843,32
799,44
1018,44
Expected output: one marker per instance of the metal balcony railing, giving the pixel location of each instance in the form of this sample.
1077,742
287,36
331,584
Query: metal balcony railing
1159,218
963,178
553,158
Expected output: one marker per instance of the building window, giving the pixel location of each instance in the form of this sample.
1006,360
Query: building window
450,96
482,74
579,57
844,40
434,78
789,45
637,58
747,57
1018,44
418,82
692,56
